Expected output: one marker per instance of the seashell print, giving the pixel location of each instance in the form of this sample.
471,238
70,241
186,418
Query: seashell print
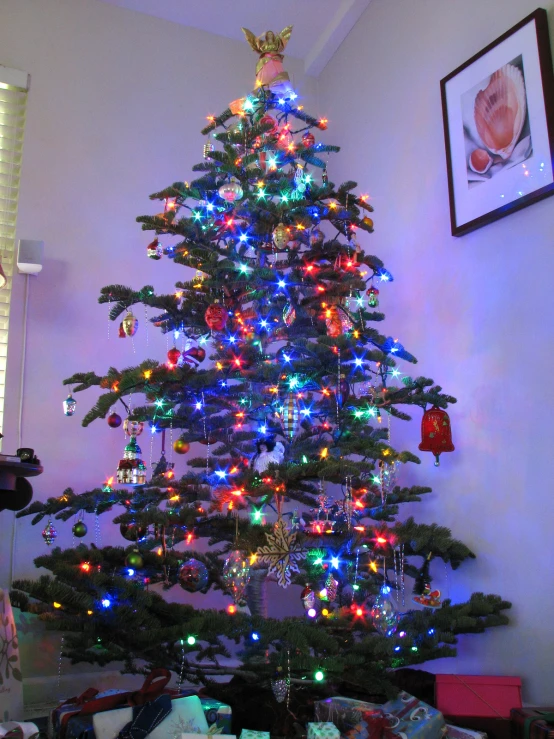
480,161
500,110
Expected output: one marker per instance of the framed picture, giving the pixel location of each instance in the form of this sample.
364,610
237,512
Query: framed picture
498,111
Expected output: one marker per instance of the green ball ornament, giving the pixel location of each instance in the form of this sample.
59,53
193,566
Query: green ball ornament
80,529
132,531
135,560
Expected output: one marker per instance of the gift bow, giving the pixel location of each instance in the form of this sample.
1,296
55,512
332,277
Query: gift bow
147,718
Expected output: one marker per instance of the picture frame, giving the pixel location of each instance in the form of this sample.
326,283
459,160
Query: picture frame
498,115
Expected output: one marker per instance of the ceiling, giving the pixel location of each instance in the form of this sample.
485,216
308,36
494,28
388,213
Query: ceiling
320,26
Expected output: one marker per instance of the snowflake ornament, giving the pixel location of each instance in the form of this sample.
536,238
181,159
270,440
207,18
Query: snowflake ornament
281,553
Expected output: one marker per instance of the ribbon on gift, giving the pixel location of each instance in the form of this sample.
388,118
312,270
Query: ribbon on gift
545,716
154,685
147,718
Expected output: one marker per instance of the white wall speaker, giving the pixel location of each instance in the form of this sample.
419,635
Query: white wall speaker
30,255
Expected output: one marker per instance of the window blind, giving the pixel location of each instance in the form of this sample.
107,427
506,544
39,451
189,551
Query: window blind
14,86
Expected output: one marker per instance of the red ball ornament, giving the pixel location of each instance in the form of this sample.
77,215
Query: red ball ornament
308,139
114,420
173,355
268,120
208,440
216,317
436,433
181,446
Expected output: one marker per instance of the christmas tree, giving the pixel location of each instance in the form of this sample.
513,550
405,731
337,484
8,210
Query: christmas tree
283,383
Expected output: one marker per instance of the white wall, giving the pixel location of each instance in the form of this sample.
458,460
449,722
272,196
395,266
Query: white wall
115,110
476,311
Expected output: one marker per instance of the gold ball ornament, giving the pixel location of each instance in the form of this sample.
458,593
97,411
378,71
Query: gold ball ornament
281,236
181,446
368,221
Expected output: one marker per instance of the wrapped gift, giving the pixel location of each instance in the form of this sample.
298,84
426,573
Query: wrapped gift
184,716
323,730
251,734
72,707
18,730
73,718
409,717
477,695
354,719
457,732
532,723
217,714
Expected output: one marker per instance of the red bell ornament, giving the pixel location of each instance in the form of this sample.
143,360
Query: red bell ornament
216,317
436,433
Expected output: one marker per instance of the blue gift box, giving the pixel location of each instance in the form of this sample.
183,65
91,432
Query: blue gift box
406,715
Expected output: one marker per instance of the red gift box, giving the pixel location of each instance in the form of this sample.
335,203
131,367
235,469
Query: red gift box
477,695
532,723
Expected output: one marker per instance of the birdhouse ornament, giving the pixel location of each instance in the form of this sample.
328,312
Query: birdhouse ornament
436,433
131,470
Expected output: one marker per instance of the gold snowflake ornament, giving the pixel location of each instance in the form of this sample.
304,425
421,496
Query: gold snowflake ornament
281,553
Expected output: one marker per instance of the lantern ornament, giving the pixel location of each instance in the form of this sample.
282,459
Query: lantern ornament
69,405
216,317
373,297
436,433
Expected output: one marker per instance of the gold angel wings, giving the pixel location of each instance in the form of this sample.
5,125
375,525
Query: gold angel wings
269,69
